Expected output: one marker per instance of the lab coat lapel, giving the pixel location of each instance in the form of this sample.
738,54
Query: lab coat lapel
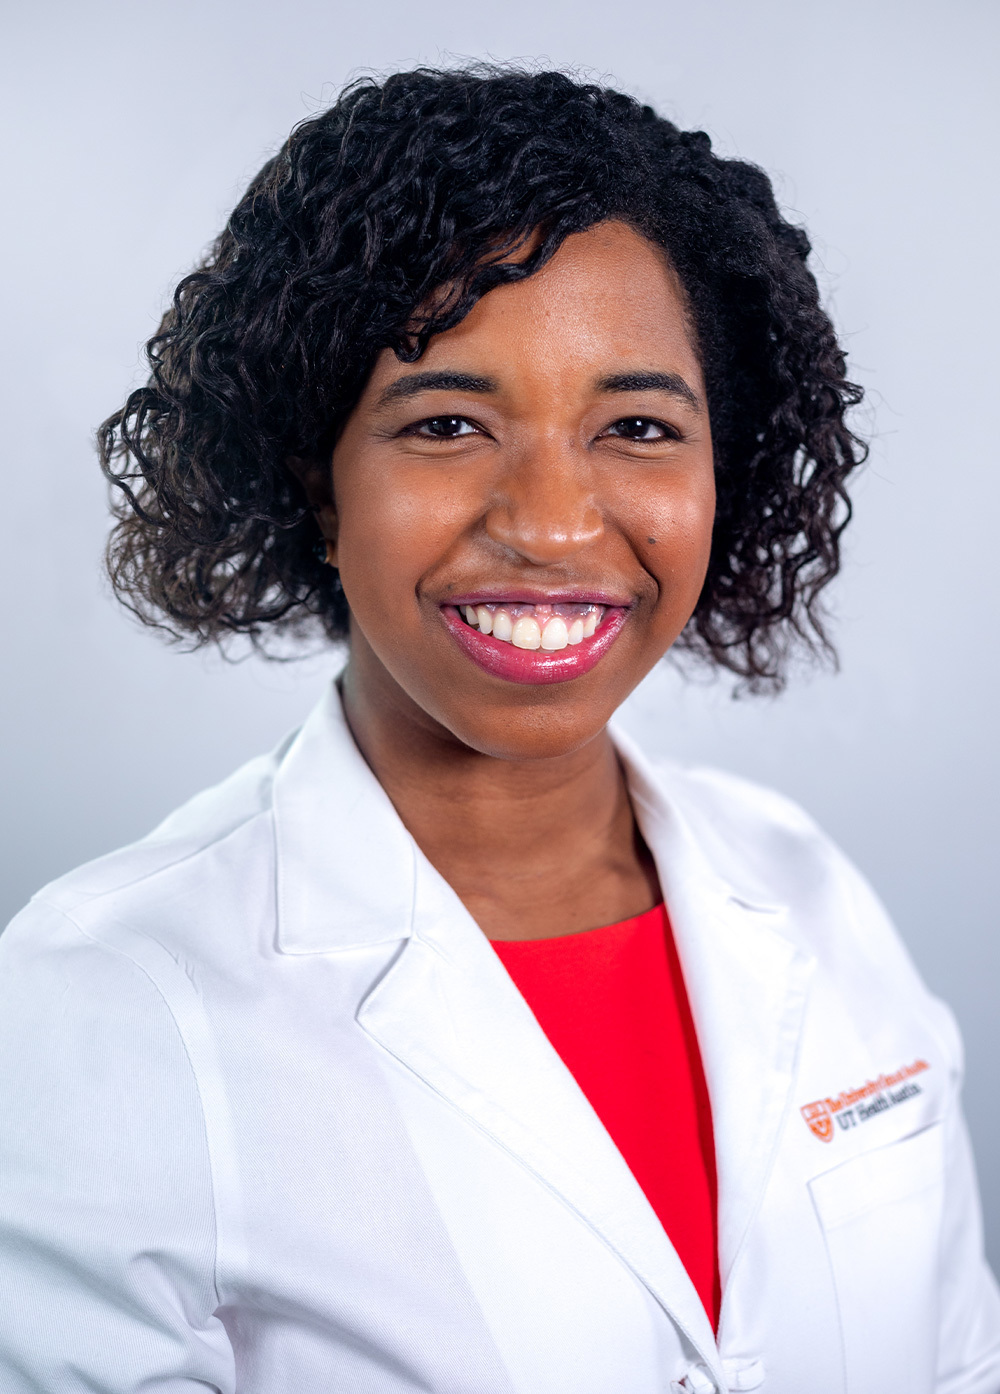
748,990
448,1011
350,875
747,984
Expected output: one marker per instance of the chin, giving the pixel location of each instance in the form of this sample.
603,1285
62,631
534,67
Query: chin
538,732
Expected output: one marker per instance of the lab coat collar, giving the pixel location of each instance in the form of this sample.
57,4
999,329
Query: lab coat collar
346,865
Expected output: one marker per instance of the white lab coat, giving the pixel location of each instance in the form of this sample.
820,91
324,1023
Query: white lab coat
275,1120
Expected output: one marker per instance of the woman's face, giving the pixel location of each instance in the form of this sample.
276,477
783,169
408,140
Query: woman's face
522,518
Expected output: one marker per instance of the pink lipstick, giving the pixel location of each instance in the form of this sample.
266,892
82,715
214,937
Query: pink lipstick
540,642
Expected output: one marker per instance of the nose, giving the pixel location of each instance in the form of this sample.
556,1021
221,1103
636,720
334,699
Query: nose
544,508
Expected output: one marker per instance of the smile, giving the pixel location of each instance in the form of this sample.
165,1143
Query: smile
528,642
549,627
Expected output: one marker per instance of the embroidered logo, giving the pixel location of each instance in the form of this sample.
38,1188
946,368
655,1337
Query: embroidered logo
853,1106
820,1119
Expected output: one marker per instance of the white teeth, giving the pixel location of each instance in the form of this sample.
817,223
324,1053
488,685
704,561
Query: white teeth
555,635
544,626
526,633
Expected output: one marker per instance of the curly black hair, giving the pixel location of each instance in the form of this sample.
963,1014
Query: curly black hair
414,191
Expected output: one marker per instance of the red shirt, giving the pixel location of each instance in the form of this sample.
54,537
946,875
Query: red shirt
613,1004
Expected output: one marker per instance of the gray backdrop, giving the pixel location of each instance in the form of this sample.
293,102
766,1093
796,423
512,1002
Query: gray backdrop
128,131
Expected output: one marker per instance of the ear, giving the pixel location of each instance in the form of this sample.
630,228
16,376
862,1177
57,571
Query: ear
316,479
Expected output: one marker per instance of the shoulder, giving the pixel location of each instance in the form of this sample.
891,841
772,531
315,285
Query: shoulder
217,844
768,849
109,962
752,834
770,852
188,834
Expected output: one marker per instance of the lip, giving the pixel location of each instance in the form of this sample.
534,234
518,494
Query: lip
525,596
504,660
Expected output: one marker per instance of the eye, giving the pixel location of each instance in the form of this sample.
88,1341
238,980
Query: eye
642,428
445,427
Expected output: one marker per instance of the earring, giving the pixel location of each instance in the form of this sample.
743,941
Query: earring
323,549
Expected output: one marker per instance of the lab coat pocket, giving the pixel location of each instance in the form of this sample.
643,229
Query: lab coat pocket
881,1218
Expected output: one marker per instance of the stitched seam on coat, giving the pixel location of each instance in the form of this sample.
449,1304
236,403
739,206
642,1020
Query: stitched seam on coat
113,948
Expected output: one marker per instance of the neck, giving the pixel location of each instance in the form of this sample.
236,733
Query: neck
534,848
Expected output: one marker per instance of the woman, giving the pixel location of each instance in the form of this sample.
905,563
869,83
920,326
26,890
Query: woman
453,1047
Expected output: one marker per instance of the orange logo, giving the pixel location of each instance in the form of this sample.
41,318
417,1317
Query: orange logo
820,1119
853,1106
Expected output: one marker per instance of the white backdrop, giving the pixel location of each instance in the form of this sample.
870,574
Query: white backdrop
128,131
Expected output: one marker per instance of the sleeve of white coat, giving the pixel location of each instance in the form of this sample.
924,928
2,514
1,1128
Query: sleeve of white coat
107,1231
969,1342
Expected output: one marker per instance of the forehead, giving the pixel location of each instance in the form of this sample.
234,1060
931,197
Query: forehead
607,297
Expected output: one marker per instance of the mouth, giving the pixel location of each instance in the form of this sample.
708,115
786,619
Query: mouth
535,642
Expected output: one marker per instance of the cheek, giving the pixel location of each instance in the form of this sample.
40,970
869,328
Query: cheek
674,537
391,529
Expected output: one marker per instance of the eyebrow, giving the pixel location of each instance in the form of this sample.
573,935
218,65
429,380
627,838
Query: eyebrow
651,382
414,383
435,382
